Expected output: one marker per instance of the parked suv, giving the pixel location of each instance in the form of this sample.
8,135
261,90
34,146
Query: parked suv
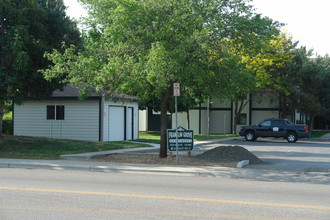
275,128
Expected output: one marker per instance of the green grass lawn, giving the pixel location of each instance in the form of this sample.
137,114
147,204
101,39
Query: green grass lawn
204,137
149,137
45,148
317,134
154,136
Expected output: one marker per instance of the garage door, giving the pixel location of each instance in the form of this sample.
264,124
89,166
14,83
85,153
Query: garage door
116,123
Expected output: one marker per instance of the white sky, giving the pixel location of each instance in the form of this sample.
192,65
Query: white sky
308,21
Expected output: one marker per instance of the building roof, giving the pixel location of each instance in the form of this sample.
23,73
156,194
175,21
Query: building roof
70,92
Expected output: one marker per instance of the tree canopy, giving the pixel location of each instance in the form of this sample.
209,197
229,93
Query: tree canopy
28,29
143,47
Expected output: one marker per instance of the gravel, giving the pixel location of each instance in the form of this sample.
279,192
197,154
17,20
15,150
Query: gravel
229,154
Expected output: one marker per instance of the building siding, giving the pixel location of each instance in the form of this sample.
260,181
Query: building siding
222,114
81,120
220,122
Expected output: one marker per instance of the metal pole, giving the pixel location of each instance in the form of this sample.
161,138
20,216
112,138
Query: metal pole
176,129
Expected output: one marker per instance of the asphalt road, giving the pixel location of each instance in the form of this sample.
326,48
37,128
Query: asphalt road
50,194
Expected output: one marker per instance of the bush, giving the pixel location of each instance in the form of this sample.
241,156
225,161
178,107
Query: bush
7,123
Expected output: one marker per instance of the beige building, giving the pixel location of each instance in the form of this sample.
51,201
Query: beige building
217,117
63,116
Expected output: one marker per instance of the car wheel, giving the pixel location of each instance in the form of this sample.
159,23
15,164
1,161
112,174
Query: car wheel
249,136
292,137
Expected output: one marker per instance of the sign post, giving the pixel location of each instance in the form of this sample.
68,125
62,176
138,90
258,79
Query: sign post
176,93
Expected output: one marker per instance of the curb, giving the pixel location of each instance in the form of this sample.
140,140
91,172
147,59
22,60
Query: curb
243,163
117,168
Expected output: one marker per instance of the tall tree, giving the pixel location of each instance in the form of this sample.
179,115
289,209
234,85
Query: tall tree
276,70
143,47
314,87
29,28
259,69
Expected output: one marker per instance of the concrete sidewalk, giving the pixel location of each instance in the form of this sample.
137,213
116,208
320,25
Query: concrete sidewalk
154,149
326,137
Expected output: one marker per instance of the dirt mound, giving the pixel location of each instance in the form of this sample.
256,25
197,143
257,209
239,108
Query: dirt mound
229,154
223,156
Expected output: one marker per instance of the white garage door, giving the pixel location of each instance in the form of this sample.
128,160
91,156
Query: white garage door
116,123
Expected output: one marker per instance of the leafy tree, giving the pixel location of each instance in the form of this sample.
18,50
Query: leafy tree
259,70
28,28
143,47
276,70
324,86
314,88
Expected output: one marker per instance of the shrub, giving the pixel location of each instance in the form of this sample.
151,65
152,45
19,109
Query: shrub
7,125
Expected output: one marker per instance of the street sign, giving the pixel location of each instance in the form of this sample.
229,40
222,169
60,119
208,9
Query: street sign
176,89
185,139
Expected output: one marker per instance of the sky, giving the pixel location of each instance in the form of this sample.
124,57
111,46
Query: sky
307,21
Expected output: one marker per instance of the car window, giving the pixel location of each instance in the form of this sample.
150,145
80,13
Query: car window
265,123
277,123
288,122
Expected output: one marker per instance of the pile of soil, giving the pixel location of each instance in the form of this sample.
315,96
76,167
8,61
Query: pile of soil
229,154
222,156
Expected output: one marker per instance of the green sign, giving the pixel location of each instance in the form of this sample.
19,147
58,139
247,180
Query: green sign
185,139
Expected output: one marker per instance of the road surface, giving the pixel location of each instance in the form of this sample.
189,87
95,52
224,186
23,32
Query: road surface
50,194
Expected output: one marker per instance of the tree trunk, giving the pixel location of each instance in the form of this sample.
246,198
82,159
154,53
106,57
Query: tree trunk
311,123
237,112
235,117
2,106
284,108
163,124
188,120
149,128
235,124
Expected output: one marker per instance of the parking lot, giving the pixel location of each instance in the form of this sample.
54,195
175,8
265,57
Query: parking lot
307,160
306,154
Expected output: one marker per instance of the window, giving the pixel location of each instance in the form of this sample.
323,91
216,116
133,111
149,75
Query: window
288,122
55,112
265,123
278,123
242,119
50,112
60,112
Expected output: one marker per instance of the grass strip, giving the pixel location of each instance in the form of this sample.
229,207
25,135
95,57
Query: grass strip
46,148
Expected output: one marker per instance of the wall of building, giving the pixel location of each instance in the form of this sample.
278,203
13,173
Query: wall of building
143,120
220,118
263,106
81,120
